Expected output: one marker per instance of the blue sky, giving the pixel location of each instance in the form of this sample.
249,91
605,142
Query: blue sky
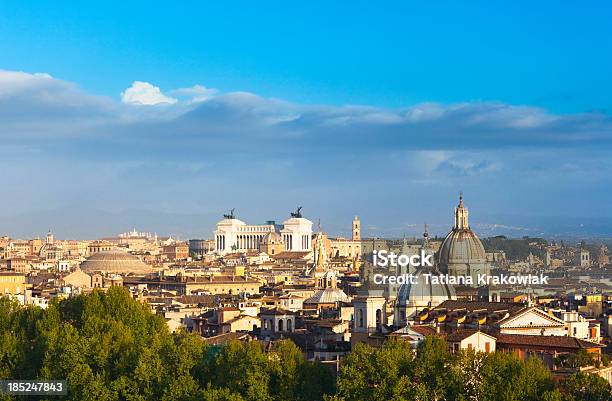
554,54
345,108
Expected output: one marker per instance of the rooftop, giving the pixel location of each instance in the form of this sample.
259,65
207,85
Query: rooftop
545,341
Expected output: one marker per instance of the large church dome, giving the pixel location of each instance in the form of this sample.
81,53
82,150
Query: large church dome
115,261
462,247
421,293
462,252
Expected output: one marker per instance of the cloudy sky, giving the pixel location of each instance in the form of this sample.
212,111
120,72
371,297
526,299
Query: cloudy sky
164,118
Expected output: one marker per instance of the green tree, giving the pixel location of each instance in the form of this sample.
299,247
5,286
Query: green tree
315,381
214,394
467,372
110,347
507,378
243,368
371,374
433,369
587,387
286,361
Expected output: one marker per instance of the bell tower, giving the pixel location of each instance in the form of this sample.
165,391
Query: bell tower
356,229
369,312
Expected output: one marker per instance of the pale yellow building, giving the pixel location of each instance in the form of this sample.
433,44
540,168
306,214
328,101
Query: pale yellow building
12,283
78,279
221,284
342,247
99,246
272,244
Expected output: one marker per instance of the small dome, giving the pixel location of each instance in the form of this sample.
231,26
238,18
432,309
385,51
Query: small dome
423,292
271,239
115,261
328,296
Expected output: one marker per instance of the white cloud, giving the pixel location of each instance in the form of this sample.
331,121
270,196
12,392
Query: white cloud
425,112
12,82
504,115
32,104
143,93
196,93
429,149
38,105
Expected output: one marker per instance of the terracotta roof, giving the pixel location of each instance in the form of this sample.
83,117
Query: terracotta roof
328,323
275,312
545,341
290,296
233,256
221,279
424,330
461,335
471,306
290,255
225,338
197,299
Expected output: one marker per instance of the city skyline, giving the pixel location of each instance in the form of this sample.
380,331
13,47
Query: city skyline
315,201
167,126
188,226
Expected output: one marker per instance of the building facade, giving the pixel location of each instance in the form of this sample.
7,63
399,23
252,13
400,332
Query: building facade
200,247
234,235
176,251
12,283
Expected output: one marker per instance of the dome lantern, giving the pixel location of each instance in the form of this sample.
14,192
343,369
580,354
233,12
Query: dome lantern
461,216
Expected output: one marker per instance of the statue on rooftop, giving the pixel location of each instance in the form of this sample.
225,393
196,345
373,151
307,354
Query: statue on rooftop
230,215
